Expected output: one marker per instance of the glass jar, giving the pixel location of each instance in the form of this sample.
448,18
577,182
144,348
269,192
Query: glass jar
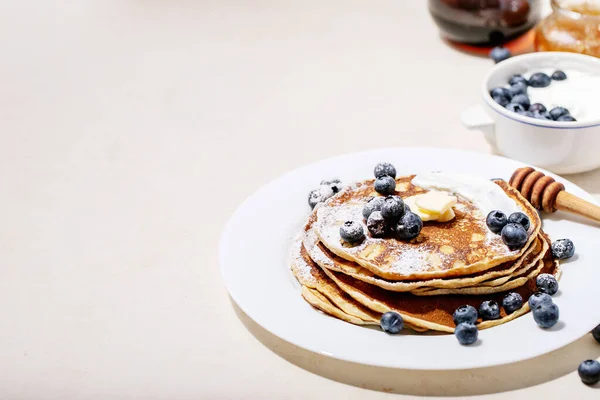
574,26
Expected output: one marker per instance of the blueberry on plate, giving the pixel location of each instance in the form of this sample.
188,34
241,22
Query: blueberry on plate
466,333
563,249
596,333
503,101
515,107
500,91
521,99
519,218
517,79
559,76
496,220
537,107
334,184
557,112
466,314
391,322
525,113
547,283
539,80
538,298
546,315
489,310
514,235
589,372
392,208
318,195
373,204
385,185
543,115
499,54
512,302
352,232
409,227
384,169
568,118
517,88
376,224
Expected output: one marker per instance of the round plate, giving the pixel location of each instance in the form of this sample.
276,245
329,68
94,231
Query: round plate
254,251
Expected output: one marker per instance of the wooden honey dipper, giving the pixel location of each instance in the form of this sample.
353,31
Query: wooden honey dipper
544,193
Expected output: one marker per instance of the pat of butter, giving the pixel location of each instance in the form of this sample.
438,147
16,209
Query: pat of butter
434,202
428,215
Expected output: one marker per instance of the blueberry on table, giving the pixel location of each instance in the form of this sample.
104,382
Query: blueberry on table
352,232
538,298
500,91
489,310
409,227
557,112
391,322
568,118
546,315
559,76
517,88
376,224
537,107
539,80
519,218
384,169
521,99
514,235
466,333
512,302
499,54
374,204
392,208
465,313
496,220
589,372
563,249
503,101
385,185
547,283
596,333
517,79
515,107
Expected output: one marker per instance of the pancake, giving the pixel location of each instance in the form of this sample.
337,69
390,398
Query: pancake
462,246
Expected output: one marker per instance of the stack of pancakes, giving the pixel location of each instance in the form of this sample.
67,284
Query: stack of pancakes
448,265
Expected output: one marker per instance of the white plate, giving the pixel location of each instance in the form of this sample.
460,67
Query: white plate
254,252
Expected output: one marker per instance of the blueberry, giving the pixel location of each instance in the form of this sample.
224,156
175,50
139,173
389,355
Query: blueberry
503,101
538,298
465,313
489,310
559,76
496,220
384,169
539,79
525,113
374,204
519,218
546,315
521,99
517,79
500,91
499,54
334,184
352,232
515,107
376,224
596,333
385,185
466,333
589,372
318,195
517,88
557,112
514,235
537,107
392,208
563,249
391,322
409,227
544,115
566,118
547,283
512,302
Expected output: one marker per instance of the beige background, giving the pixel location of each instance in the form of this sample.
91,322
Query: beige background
129,132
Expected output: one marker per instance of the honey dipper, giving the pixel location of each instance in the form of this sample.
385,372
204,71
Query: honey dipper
544,193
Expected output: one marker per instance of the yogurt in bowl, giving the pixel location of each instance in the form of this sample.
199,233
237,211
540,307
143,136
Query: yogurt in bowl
561,146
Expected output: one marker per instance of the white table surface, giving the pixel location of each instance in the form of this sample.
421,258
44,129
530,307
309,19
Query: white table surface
129,132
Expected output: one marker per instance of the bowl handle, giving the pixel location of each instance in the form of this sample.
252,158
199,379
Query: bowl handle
475,117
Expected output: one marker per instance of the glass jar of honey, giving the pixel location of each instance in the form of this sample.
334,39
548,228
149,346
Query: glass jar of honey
574,26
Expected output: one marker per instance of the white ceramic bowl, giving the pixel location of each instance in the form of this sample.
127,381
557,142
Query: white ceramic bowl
561,147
